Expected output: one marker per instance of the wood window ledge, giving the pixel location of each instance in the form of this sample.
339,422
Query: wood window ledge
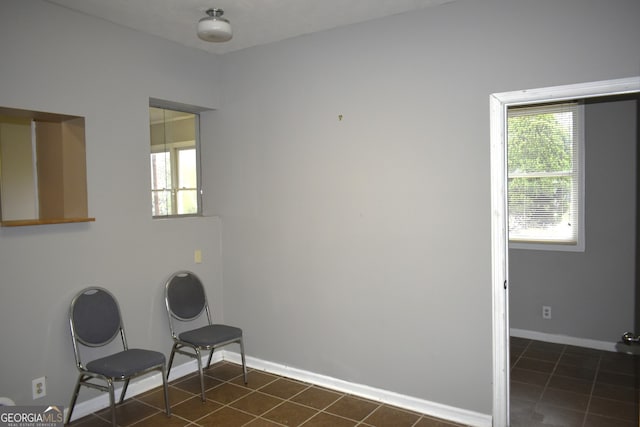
27,222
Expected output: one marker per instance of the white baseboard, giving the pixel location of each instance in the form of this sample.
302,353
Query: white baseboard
433,409
563,339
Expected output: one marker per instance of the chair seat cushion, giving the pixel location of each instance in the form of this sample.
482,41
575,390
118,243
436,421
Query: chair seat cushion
211,335
126,363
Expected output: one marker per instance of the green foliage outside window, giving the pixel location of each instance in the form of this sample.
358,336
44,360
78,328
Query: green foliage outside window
540,166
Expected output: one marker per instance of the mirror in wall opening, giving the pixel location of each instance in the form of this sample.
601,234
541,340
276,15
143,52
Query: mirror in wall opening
43,177
174,162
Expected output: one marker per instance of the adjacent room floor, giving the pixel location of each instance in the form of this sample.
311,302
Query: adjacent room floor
563,385
268,400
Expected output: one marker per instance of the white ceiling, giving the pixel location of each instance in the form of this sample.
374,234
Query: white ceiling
254,22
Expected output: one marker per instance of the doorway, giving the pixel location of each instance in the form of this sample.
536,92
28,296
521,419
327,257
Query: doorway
499,104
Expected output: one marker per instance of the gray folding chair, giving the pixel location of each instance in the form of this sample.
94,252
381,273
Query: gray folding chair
186,301
95,321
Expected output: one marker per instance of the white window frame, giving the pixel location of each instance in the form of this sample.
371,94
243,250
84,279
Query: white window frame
579,245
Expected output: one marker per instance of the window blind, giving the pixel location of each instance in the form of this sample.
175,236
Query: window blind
544,173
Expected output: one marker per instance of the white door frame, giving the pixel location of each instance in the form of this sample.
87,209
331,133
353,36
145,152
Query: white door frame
499,102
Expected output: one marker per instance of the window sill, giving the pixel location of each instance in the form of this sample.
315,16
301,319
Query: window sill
28,222
538,246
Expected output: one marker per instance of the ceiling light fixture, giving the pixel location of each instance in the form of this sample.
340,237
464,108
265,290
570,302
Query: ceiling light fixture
214,28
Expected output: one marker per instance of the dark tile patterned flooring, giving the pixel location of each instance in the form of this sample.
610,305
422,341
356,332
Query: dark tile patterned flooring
551,385
267,401
563,385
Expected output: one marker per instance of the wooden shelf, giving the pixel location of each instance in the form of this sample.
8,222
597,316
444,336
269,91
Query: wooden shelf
27,222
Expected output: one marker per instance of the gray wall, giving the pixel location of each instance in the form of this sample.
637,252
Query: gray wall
360,248
591,292
55,60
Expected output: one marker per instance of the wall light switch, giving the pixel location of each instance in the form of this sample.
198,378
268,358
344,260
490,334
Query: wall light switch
197,256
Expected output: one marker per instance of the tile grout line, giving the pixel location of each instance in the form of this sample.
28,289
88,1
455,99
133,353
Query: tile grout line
342,395
593,387
526,347
228,405
289,399
546,385
317,411
598,368
520,355
223,405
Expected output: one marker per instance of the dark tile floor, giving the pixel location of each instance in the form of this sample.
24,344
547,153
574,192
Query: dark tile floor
563,385
551,385
268,400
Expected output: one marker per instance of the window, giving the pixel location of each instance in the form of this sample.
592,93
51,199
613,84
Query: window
545,163
174,162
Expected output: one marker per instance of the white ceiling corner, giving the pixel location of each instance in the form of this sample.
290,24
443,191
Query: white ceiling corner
254,22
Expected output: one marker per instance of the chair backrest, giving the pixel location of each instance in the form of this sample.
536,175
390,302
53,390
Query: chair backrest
94,317
185,297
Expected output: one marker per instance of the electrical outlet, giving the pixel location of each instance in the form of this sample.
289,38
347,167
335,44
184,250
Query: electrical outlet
39,387
546,312
197,256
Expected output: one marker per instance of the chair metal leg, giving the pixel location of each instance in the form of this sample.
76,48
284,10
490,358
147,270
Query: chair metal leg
124,390
244,364
167,407
112,400
173,353
74,397
199,359
210,356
